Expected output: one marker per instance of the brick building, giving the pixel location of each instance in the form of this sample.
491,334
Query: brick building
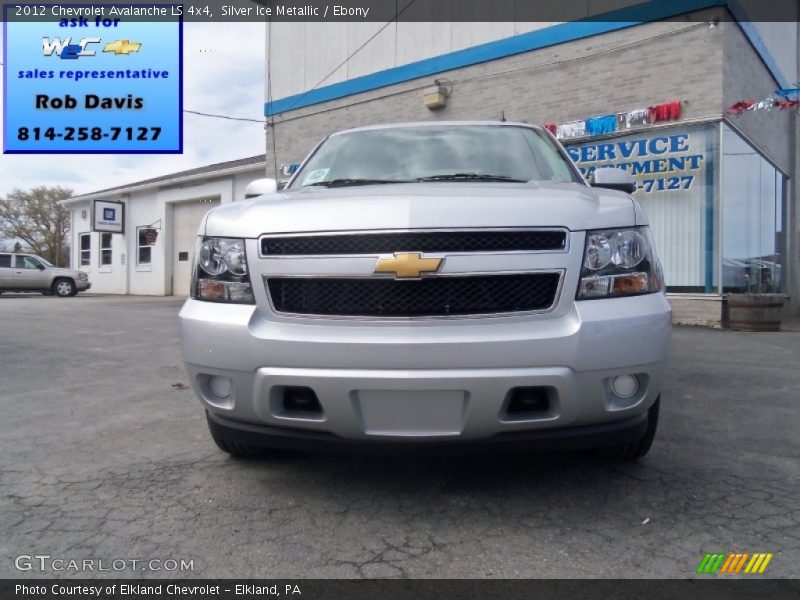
718,187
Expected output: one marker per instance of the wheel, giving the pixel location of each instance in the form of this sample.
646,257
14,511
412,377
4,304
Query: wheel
637,449
235,449
64,288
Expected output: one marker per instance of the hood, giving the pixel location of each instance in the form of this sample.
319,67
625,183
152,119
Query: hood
65,272
424,206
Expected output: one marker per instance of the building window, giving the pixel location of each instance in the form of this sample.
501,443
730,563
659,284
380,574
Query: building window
86,249
753,213
105,249
143,256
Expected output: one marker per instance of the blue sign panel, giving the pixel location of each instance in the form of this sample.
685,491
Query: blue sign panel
91,85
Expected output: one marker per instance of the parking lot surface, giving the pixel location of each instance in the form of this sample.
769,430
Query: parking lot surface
104,457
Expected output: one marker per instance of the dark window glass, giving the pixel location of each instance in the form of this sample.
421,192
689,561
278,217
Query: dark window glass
86,249
105,249
144,256
5,260
27,262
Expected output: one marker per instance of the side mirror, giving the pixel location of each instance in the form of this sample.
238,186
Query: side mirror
40,266
259,187
613,179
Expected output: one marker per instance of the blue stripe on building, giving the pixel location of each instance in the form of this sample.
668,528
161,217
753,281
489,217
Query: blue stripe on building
616,20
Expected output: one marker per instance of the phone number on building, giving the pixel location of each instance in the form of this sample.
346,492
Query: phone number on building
94,134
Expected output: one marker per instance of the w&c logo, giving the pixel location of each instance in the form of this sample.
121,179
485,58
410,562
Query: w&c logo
64,48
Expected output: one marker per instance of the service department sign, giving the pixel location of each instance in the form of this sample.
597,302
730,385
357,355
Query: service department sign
108,216
673,161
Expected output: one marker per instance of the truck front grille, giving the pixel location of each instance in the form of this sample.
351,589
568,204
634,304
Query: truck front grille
427,297
528,240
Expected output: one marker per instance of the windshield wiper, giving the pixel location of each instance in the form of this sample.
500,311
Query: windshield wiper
471,177
345,182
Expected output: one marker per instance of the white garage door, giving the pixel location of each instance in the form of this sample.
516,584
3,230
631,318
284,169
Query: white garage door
186,219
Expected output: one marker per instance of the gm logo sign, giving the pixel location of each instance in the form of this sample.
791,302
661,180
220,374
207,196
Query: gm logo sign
109,214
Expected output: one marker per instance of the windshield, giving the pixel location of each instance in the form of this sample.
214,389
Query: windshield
470,153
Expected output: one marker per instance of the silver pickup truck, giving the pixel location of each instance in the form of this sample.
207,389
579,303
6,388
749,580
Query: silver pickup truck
431,285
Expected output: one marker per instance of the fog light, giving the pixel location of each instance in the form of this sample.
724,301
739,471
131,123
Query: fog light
221,387
624,386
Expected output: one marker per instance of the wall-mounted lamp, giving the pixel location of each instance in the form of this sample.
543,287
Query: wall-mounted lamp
436,96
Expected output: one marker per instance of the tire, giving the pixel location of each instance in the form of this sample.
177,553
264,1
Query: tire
64,288
637,449
236,449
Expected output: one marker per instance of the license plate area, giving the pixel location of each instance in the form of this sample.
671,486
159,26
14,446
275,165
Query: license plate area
411,413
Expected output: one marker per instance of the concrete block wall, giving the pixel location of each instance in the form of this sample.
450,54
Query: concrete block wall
745,76
617,71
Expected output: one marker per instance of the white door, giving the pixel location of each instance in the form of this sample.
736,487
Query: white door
186,218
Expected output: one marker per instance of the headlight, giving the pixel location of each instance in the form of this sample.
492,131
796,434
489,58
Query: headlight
619,262
83,276
220,272
217,255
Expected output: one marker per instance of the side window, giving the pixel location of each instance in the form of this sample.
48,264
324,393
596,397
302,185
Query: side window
105,249
26,262
5,260
86,249
144,249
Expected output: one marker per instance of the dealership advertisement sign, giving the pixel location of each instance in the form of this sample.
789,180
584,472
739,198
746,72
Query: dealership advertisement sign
108,216
668,162
90,83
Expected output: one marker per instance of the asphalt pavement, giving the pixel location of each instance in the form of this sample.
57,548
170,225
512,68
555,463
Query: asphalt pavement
105,456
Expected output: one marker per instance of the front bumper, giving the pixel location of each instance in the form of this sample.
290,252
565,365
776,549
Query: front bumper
543,440
429,382
82,286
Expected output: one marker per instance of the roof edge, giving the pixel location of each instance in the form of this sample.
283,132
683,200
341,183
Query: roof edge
175,178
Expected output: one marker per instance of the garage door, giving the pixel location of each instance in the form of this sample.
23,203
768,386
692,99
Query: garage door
186,219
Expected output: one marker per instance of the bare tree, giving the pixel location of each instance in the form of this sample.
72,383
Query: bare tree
36,218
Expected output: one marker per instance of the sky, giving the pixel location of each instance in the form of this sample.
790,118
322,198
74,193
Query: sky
223,74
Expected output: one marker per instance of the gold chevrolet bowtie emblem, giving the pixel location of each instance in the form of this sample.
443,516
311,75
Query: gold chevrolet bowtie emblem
408,265
122,47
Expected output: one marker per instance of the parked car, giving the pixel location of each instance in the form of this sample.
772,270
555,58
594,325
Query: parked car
21,272
430,285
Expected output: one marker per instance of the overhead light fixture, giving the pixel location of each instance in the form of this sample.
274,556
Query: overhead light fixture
436,96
